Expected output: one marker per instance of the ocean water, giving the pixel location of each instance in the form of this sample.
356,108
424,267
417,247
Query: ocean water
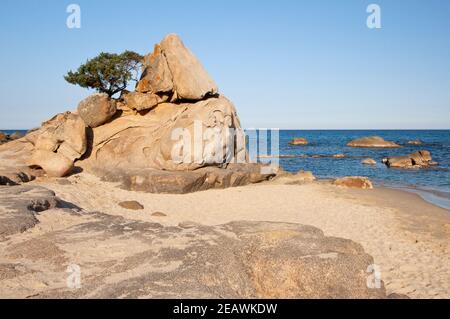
433,184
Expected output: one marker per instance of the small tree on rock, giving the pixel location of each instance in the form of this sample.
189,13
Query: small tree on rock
108,72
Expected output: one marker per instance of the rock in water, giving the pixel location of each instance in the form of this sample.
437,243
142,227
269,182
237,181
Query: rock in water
97,109
299,141
415,142
420,159
354,182
369,161
172,68
372,142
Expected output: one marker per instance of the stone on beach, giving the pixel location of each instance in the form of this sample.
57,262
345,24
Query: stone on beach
287,178
354,182
131,205
372,142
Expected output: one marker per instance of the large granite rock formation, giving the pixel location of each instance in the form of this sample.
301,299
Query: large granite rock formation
173,125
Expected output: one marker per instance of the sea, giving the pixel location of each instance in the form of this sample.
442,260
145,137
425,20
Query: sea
432,184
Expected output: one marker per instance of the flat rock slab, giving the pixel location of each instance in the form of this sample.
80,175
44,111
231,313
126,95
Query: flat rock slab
176,182
19,206
120,258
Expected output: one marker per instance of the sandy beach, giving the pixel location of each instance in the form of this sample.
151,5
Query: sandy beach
408,237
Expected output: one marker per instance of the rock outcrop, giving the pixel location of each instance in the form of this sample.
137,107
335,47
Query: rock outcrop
173,70
235,260
372,142
354,182
19,206
420,159
58,143
174,134
415,142
298,141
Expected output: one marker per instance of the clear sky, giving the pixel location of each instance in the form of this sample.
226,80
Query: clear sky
286,64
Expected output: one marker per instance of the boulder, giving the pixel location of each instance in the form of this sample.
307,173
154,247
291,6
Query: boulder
173,69
65,134
58,144
54,164
176,137
372,142
369,161
420,159
415,142
354,182
3,137
97,109
301,177
156,76
339,156
298,141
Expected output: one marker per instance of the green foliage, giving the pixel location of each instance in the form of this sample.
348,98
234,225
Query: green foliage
107,73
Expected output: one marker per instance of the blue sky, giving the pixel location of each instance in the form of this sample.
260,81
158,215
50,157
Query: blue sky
287,64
